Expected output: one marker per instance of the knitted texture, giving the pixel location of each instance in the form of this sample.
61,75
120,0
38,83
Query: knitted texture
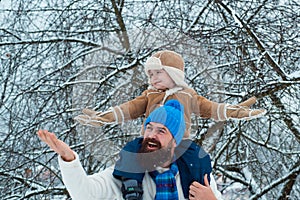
165,182
171,116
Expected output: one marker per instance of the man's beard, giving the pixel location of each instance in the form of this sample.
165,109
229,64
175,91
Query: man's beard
150,159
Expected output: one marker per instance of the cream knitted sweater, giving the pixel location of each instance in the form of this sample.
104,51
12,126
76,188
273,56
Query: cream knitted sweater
103,186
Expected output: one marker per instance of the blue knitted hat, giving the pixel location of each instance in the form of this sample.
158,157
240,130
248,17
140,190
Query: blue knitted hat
170,115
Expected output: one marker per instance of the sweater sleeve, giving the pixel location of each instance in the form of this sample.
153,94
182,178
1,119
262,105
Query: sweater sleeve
80,186
213,186
131,109
208,109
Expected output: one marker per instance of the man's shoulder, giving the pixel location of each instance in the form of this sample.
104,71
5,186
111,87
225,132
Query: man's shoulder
106,172
106,175
188,150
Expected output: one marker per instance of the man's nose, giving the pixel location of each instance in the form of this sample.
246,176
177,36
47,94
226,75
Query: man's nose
152,133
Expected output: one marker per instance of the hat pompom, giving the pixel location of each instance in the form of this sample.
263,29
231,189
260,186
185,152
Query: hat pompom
175,104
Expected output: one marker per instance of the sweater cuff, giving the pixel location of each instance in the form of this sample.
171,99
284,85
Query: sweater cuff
71,164
118,114
219,111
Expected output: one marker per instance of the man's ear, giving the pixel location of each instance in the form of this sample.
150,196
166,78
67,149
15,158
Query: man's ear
175,145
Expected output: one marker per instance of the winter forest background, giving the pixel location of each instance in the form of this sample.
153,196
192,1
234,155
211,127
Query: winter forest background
59,56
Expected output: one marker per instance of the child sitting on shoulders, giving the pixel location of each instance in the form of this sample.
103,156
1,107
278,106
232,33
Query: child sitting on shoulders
165,70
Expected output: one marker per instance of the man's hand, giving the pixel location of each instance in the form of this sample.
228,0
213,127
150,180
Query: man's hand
198,191
57,145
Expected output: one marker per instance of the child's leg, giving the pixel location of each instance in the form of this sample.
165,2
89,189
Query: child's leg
192,161
204,163
129,171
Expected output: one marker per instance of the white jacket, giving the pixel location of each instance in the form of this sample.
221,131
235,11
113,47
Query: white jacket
103,186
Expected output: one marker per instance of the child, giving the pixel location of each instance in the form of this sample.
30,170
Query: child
165,70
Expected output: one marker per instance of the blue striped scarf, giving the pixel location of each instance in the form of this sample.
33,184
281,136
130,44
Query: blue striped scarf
166,188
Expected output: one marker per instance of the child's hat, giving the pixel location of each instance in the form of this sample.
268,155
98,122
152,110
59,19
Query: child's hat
171,116
171,62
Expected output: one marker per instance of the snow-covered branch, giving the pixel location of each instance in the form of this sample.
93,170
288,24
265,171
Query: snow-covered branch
276,182
261,47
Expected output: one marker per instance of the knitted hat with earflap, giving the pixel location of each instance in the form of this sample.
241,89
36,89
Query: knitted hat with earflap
171,116
171,62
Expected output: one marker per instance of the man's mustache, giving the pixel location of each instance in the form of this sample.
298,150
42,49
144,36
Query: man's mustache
150,142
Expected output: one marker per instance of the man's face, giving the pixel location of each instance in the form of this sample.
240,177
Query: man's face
157,134
157,147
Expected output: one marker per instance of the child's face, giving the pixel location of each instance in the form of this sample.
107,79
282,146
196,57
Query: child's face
160,79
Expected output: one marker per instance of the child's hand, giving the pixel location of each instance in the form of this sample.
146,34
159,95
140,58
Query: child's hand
243,111
94,118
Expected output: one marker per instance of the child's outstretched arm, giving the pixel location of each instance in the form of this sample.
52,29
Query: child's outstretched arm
94,118
115,115
239,111
243,111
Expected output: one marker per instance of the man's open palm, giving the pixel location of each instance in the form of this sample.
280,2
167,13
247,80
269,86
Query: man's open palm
56,145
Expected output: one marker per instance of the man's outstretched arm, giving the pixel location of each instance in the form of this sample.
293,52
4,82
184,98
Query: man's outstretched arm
79,185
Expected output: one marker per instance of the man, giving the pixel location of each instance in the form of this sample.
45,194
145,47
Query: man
166,168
